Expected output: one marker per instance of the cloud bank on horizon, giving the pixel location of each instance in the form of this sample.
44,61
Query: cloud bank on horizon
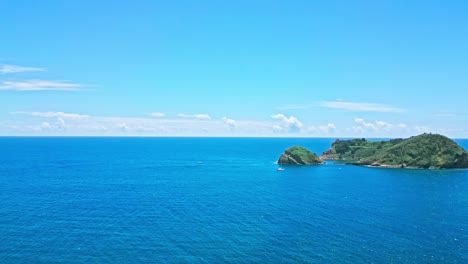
74,124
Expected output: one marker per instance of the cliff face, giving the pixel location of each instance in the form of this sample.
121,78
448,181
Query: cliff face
424,151
299,156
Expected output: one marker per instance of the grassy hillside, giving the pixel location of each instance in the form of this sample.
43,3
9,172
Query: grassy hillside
423,151
356,149
299,156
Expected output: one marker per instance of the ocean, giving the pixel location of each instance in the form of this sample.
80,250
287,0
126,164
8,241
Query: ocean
219,200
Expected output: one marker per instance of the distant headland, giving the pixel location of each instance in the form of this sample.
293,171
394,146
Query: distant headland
425,151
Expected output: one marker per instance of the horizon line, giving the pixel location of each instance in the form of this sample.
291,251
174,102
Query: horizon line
149,136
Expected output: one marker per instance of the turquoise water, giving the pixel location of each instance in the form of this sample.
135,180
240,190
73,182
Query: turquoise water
219,200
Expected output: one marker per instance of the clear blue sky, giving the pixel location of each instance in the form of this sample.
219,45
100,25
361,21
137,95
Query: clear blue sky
234,68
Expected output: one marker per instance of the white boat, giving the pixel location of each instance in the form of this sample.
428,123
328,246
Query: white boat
280,169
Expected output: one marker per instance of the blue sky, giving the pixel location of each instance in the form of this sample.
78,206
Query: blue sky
234,68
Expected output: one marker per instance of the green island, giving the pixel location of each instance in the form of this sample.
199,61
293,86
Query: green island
425,151
299,156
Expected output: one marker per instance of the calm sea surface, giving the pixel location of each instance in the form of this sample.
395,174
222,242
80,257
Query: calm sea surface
219,200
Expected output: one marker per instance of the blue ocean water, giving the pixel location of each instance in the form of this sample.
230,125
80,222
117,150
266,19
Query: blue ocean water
219,200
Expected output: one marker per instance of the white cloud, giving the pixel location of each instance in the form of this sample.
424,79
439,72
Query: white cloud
444,115
322,130
291,123
312,129
61,125
157,114
46,126
277,129
381,128
53,115
196,116
202,117
357,129
382,123
230,122
40,85
123,127
15,69
449,114
329,128
289,107
377,126
362,107
365,124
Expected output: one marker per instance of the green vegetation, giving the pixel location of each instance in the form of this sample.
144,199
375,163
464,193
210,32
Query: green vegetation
423,151
356,149
299,156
